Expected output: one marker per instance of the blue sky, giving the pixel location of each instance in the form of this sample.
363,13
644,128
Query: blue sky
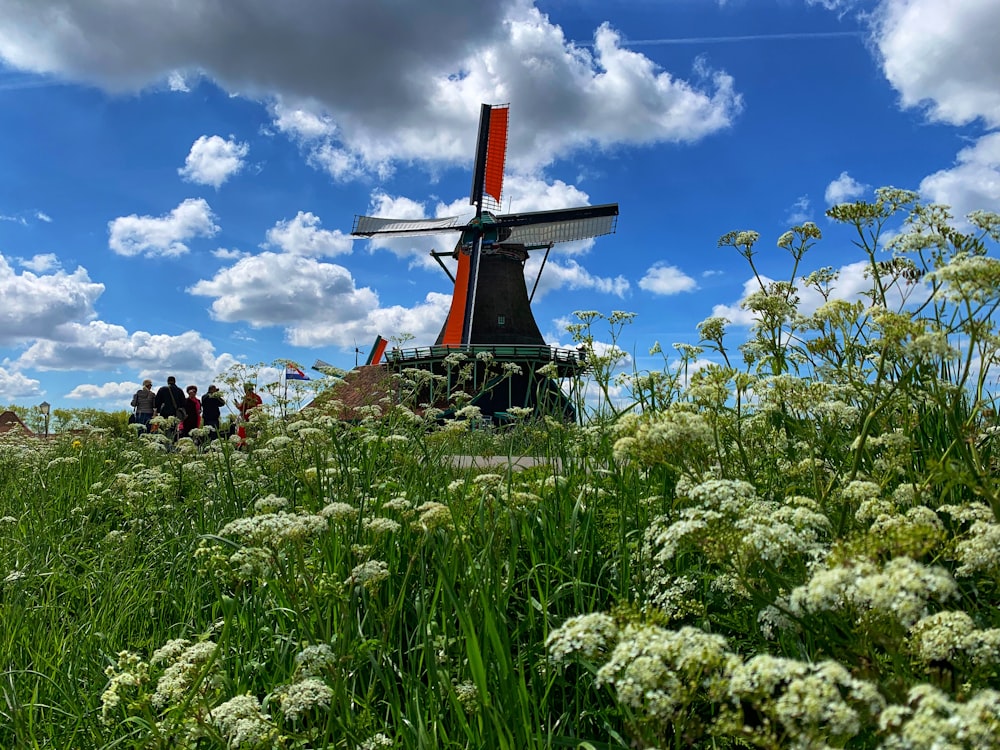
178,183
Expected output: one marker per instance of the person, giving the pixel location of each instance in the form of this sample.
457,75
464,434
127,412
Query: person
144,404
192,409
248,403
170,401
211,410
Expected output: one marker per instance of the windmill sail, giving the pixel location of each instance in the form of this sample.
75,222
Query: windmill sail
490,304
367,226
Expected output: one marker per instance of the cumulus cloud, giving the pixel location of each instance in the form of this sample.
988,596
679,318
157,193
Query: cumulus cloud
368,85
36,305
213,160
303,236
843,189
943,56
423,321
569,274
14,384
852,284
664,279
177,82
109,391
40,263
164,235
98,346
972,184
314,302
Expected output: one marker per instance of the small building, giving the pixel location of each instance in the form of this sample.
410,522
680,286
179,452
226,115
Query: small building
10,422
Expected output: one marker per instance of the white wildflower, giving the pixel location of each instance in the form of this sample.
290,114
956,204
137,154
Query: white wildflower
303,696
588,636
242,723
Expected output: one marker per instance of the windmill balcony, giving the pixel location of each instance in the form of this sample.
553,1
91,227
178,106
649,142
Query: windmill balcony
568,362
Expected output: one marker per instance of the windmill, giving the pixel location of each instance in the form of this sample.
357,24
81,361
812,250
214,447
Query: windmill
490,307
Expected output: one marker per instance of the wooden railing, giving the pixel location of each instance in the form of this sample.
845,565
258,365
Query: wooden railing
500,352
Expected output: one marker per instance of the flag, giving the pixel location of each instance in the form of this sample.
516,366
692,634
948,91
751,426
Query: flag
294,373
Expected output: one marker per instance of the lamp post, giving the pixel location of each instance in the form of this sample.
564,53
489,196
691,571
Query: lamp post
44,408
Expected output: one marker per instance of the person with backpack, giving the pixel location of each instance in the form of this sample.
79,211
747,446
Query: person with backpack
144,404
211,410
170,402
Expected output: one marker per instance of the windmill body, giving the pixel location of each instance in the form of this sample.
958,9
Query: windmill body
490,320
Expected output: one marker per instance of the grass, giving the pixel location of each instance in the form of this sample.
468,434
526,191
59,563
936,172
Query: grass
804,553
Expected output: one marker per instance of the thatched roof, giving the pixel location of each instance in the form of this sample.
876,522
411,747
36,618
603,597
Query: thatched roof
9,422
367,385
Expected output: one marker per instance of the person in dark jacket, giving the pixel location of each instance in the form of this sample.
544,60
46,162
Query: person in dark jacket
211,410
170,399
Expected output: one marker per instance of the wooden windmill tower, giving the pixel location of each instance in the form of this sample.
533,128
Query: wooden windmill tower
491,307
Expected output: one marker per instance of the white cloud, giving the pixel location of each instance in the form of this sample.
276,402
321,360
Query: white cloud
42,216
664,279
378,85
109,391
41,263
213,160
571,275
134,235
303,236
14,384
314,302
840,6
177,82
224,253
843,189
972,184
943,55
852,284
800,212
423,321
36,305
98,345
301,124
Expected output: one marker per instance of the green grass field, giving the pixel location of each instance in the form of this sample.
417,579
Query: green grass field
800,550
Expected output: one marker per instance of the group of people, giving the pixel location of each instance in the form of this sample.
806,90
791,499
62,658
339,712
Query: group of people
189,411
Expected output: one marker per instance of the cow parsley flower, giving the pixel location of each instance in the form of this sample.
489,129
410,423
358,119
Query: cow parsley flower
303,696
125,678
588,636
275,529
380,525
980,551
660,671
810,702
930,720
339,512
368,574
434,516
314,660
242,723
377,741
270,504
186,669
